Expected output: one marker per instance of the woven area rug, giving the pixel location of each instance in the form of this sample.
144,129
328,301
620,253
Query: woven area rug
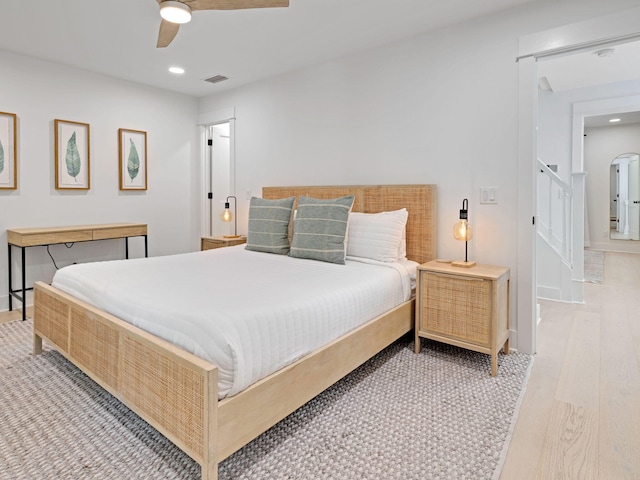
593,266
436,415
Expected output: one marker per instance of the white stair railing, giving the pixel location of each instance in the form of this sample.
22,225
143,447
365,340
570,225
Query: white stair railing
554,213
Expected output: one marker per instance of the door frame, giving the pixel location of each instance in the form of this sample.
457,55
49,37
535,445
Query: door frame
605,30
205,120
604,106
217,192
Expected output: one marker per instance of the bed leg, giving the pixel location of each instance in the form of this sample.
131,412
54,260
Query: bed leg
37,344
210,464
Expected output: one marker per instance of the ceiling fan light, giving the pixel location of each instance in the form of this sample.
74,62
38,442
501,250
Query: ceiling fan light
175,12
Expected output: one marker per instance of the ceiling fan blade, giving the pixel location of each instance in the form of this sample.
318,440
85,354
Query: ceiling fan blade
234,4
168,32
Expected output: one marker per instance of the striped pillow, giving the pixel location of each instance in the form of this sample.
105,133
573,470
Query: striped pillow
320,228
269,225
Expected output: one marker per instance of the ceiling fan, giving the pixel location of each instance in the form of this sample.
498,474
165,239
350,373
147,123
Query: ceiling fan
174,13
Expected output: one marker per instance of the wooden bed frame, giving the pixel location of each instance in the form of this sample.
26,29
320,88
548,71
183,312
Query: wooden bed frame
176,392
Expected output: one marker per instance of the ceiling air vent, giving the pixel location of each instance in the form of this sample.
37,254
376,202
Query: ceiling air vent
216,79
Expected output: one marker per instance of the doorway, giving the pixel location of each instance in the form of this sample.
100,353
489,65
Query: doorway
603,31
219,177
610,151
217,169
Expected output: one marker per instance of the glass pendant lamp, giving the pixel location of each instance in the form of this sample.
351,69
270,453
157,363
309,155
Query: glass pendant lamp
462,231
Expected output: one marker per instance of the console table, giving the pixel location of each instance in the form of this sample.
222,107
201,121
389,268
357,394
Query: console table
35,237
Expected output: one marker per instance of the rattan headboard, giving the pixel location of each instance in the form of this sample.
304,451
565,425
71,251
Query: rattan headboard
419,200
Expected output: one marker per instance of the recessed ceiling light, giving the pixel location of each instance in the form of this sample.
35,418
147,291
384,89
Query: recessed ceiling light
175,12
614,120
178,70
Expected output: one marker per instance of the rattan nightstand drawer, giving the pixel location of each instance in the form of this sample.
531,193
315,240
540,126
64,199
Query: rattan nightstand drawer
464,307
457,307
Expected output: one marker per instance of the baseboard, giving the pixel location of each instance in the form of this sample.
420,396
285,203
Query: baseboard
548,293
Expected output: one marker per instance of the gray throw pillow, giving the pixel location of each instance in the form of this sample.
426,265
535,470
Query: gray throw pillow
269,225
320,227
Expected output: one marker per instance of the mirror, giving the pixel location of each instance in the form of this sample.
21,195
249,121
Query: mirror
625,197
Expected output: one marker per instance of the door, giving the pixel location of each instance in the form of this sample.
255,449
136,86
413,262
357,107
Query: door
219,176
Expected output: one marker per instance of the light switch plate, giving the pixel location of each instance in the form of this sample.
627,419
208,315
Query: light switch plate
489,195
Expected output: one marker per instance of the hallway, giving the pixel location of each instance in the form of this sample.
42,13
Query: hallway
580,417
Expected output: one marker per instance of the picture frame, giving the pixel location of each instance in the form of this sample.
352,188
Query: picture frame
132,159
8,151
72,155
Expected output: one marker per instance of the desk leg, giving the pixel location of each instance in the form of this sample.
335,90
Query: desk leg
24,286
9,246
126,247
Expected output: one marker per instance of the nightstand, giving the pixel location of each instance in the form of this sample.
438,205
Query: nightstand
207,243
466,307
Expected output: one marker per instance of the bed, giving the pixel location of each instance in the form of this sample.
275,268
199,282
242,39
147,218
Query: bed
177,392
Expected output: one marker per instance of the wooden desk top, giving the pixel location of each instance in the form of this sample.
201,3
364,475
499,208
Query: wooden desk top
29,237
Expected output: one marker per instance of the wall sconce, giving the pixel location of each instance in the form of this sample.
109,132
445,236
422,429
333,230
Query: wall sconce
227,216
463,231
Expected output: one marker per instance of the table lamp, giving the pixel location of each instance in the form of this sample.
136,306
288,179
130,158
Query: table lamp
227,216
463,231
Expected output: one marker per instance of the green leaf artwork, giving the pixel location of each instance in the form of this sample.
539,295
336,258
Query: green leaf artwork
133,163
1,157
73,157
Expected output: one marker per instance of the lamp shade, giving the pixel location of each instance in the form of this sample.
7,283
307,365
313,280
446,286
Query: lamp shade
226,216
175,12
462,231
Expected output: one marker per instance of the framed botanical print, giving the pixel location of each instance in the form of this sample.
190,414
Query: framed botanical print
72,147
8,151
132,148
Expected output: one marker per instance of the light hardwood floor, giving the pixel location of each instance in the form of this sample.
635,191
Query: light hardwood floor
14,315
580,417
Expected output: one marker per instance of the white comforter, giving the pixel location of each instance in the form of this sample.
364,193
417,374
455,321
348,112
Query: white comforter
247,312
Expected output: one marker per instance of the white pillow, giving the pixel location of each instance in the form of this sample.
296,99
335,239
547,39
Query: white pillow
376,235
402,247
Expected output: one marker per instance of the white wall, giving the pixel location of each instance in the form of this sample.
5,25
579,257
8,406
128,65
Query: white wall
438,108
555,146
39,92
555,117
601,146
